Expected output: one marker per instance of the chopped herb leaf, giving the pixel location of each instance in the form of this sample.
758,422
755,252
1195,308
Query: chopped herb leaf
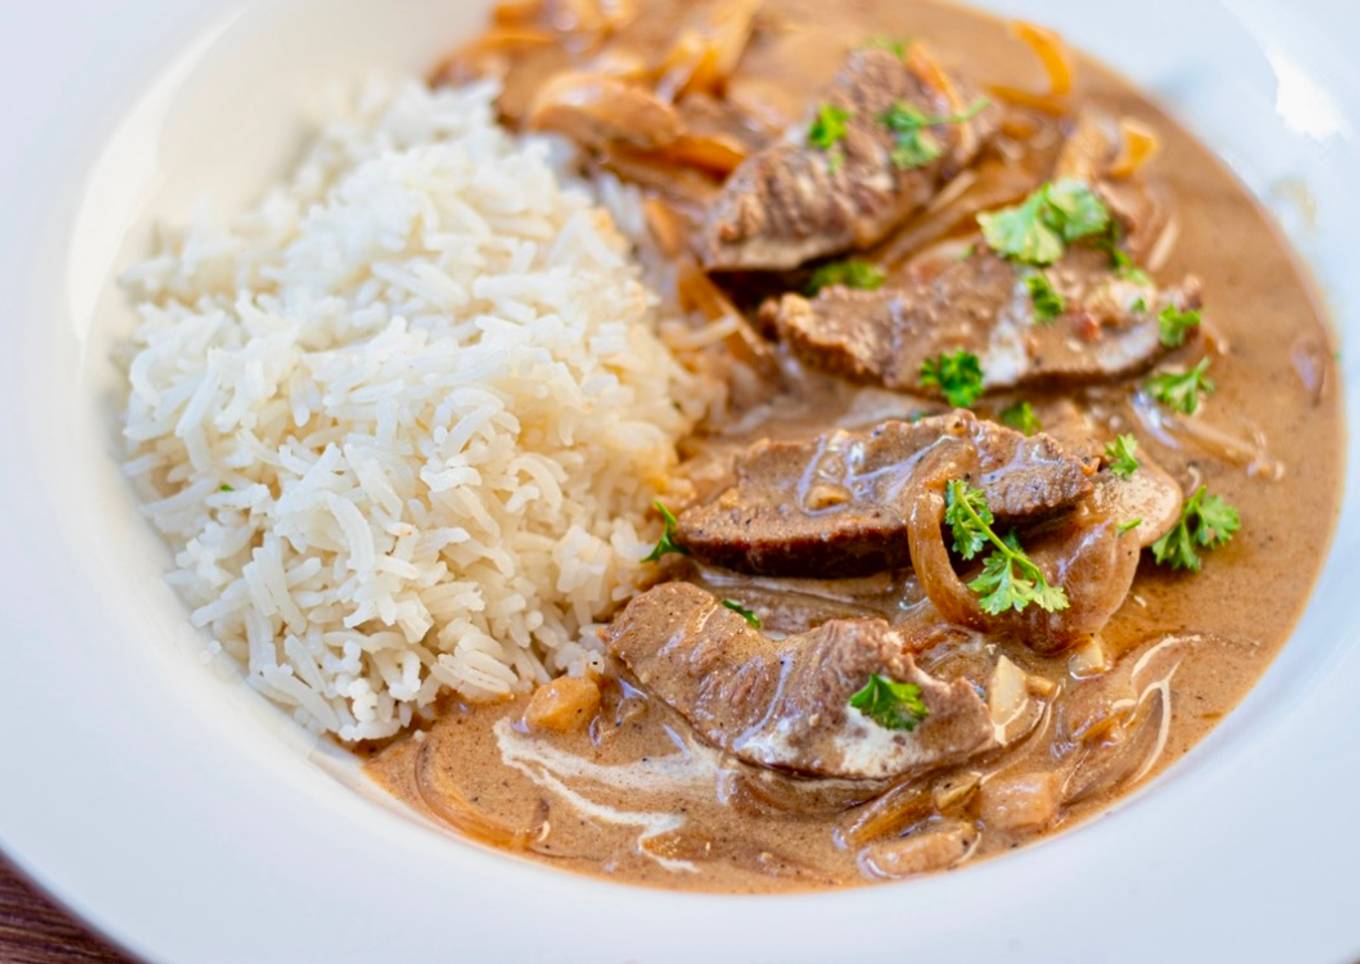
1175,324
1009,579
1048,301
1038,230
1140,305
1120,259
226,488
958,376
892,705
1122,456
743,612
1125,527
828,127
1137,275
1076,211
916,145
851,273
1207,522
667,543
880,42
1181,391
1021,417
968,516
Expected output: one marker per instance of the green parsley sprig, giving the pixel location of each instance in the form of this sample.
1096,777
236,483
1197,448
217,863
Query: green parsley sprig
1009,579
958,376
1175,325
1120,260
827,131
893,45
1049,304
1021,417
850,273
1122,456
916,145
1181,391
667,544
1038,230
751,618
890,704
1206,522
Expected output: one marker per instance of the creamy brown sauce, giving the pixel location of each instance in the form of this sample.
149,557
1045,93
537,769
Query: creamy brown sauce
636,796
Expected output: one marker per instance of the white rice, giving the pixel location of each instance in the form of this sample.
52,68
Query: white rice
401,423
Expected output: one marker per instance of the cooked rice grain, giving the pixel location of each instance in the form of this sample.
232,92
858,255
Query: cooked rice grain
401,423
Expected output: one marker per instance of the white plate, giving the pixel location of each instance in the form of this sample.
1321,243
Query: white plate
171,810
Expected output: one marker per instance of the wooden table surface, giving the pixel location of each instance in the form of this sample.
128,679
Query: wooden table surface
34,930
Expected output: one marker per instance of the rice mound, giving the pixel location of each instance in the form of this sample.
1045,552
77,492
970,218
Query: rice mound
401,424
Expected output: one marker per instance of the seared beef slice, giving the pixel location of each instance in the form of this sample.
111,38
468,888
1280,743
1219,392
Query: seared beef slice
982,304
795,202
837,505
785,703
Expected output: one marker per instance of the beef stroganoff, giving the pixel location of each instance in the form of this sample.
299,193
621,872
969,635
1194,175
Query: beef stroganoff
724,447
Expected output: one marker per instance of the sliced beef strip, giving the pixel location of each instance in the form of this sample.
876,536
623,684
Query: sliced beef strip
793,202
981,303
785,703
837,505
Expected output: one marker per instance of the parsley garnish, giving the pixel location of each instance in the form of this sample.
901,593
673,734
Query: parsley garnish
1038,230
958,376
916,145
1180,391
1048,301
1009,579
851,273
1119,258
667,543
1021,417
1122,454
1176,324
892,705
226,488
828,130
880,42
751,618
1207,522
1126,527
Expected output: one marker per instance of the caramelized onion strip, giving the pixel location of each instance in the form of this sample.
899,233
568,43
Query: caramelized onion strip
925,535
1139,144
1053,55
447,803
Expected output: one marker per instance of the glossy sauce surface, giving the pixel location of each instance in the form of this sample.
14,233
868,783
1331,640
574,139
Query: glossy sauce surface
636,796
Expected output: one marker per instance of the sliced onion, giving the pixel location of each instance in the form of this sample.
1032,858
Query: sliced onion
706,52
1089,660
1053,55
669,228
446,801
1251,453
596,109
711,152
1139,144
1008,691
891,813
